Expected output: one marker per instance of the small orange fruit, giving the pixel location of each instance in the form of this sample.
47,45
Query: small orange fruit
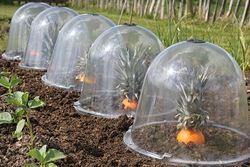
85,79
190,136
34,53
129,104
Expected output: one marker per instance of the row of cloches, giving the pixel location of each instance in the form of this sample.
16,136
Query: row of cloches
190,99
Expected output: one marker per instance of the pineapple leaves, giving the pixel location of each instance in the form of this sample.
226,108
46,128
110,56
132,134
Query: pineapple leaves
189,105
130,70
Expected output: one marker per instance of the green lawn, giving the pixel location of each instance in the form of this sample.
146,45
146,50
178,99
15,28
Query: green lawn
223,33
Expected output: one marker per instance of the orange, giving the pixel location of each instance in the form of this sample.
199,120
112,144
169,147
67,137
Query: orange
129,104
190,136
34,53
86,79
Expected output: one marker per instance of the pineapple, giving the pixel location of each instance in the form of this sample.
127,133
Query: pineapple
131,69
80,68
192,119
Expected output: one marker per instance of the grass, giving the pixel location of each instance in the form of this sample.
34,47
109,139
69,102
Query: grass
223,33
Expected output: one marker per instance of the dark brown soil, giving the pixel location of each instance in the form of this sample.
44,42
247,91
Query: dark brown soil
87,141
221,143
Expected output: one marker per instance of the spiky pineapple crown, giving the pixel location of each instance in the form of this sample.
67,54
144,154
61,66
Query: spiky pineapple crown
81,65
130,70
190,113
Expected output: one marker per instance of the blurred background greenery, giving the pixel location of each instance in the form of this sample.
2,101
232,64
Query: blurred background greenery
217,21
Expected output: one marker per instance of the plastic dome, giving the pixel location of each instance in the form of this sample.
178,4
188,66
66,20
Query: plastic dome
193,108
71,49
20,29
43,35
116,66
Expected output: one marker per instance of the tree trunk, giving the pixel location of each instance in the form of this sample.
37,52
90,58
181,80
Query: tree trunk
146,7
157,7
189,8
162,9
222,8
200,7
207,10
107,4
128,6
79,4
117,4
204,7
215,11
121,4
122,11
135,6
86,4
151,7
131,12
97,4
230,8
245,12
72,3
237,8
141,8
138,4
181,4
171,8
101,4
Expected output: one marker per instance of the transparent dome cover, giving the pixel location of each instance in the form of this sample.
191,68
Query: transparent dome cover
115,68
43,35
20,29
193,108
72,45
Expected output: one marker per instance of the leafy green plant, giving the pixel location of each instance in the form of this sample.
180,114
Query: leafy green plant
23,105
22,114
5,118
45,158
9,82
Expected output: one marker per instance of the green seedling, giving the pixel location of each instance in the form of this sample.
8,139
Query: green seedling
5,118
45,158
9,82
4,74
22,114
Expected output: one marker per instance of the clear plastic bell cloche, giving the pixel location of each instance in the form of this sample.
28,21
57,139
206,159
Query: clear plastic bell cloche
20,29
115,69
193,108
43,35
71,49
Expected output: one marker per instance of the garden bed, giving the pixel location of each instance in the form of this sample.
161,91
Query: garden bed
220,143
86,140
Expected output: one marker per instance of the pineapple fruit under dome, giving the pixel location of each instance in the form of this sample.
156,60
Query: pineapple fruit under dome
70,53
193,108
115,69
43,35
20,29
